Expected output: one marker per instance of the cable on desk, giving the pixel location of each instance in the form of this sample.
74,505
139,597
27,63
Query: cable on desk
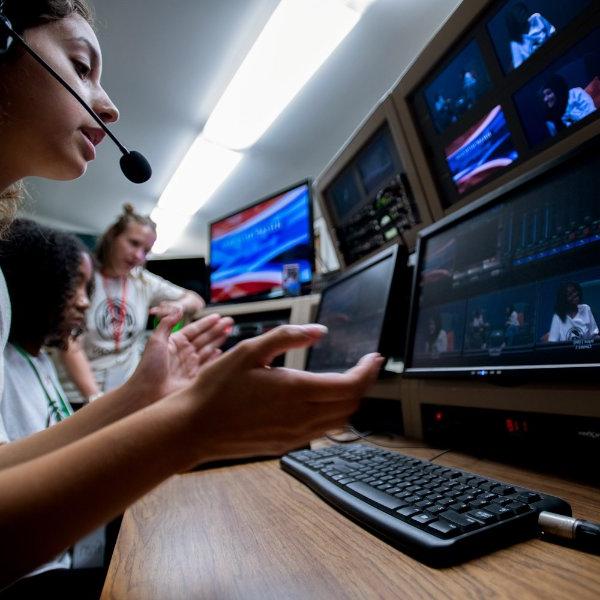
366,436
440,454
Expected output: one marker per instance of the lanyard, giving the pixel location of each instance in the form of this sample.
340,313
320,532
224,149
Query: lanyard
118,322
60,407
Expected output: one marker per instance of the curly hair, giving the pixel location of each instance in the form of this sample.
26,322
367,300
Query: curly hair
41,268
127,217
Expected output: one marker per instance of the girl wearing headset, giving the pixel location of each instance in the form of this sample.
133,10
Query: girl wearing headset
61,483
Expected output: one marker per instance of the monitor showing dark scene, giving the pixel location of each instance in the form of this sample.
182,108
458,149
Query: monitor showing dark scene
357,309
520,28
513,282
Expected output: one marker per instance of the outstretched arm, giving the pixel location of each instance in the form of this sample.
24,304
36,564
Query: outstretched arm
169,363
238,406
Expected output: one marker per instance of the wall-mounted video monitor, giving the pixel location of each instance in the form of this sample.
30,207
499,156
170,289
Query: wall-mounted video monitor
366,193
520,28
563,94
511,284
538,64
265,250
458,87
484,149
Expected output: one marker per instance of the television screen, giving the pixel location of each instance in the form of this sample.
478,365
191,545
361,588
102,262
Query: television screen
520,28
259,251
483,150
458,87
376,164
189,273
513,283
566,92
345,195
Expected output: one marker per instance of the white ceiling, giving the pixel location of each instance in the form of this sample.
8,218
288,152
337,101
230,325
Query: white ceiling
166,63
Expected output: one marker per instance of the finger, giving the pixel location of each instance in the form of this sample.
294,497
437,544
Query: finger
215,335
262,349
330,387
195,328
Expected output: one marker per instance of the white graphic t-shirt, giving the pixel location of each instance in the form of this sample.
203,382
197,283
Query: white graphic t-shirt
120,312
580,327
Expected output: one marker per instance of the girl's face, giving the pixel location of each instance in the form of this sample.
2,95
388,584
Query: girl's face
549,97
46,132
79,302
573,297
130,248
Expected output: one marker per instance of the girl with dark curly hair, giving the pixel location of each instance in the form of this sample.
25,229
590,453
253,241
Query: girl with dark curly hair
175,411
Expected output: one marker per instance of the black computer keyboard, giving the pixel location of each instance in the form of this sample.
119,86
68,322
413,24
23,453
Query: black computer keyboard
439,515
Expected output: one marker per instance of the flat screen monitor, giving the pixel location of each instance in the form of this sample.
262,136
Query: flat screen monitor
484,149
511,284
563,95
189,273
520,28
265,250
365,311
457,87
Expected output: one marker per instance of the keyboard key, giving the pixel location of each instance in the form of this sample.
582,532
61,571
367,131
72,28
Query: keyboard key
500,511
464,521
423,518
375,495
483,515
408,511
444,528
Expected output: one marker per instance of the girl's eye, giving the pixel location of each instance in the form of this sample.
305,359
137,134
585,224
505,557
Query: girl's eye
82,69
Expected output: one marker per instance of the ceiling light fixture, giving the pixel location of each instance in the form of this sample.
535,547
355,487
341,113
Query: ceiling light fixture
295,42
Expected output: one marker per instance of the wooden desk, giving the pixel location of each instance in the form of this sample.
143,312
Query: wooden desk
252,531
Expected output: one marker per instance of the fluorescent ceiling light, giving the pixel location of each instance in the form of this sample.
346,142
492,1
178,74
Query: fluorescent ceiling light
203,169
295,42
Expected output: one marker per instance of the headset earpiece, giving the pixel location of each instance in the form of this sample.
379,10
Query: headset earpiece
6,37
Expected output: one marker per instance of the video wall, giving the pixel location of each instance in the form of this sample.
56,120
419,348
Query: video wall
526,75
515,285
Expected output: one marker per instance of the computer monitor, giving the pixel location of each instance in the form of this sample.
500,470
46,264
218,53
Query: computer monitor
265,250
365,311
510,285
190,273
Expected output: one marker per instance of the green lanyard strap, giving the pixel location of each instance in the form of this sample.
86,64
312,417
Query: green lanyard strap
60,407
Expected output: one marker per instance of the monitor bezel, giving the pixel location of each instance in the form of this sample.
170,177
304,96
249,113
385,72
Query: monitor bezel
306,287
392,318
503,373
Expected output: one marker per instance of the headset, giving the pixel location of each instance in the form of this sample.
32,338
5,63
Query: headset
133,164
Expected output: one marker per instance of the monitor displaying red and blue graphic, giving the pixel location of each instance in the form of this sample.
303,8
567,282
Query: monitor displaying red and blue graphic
481,151
253,250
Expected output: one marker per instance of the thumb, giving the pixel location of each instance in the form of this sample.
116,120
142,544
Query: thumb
167,323
264,348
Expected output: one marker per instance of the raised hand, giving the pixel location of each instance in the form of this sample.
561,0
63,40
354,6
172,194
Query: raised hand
248,408
172,361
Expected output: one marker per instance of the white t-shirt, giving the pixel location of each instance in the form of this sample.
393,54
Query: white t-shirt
582,326
4,331
142,291
25,409
540,29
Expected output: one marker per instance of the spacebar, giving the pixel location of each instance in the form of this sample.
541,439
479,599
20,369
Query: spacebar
374,494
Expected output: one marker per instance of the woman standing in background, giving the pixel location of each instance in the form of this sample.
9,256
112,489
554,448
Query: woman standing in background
125,293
